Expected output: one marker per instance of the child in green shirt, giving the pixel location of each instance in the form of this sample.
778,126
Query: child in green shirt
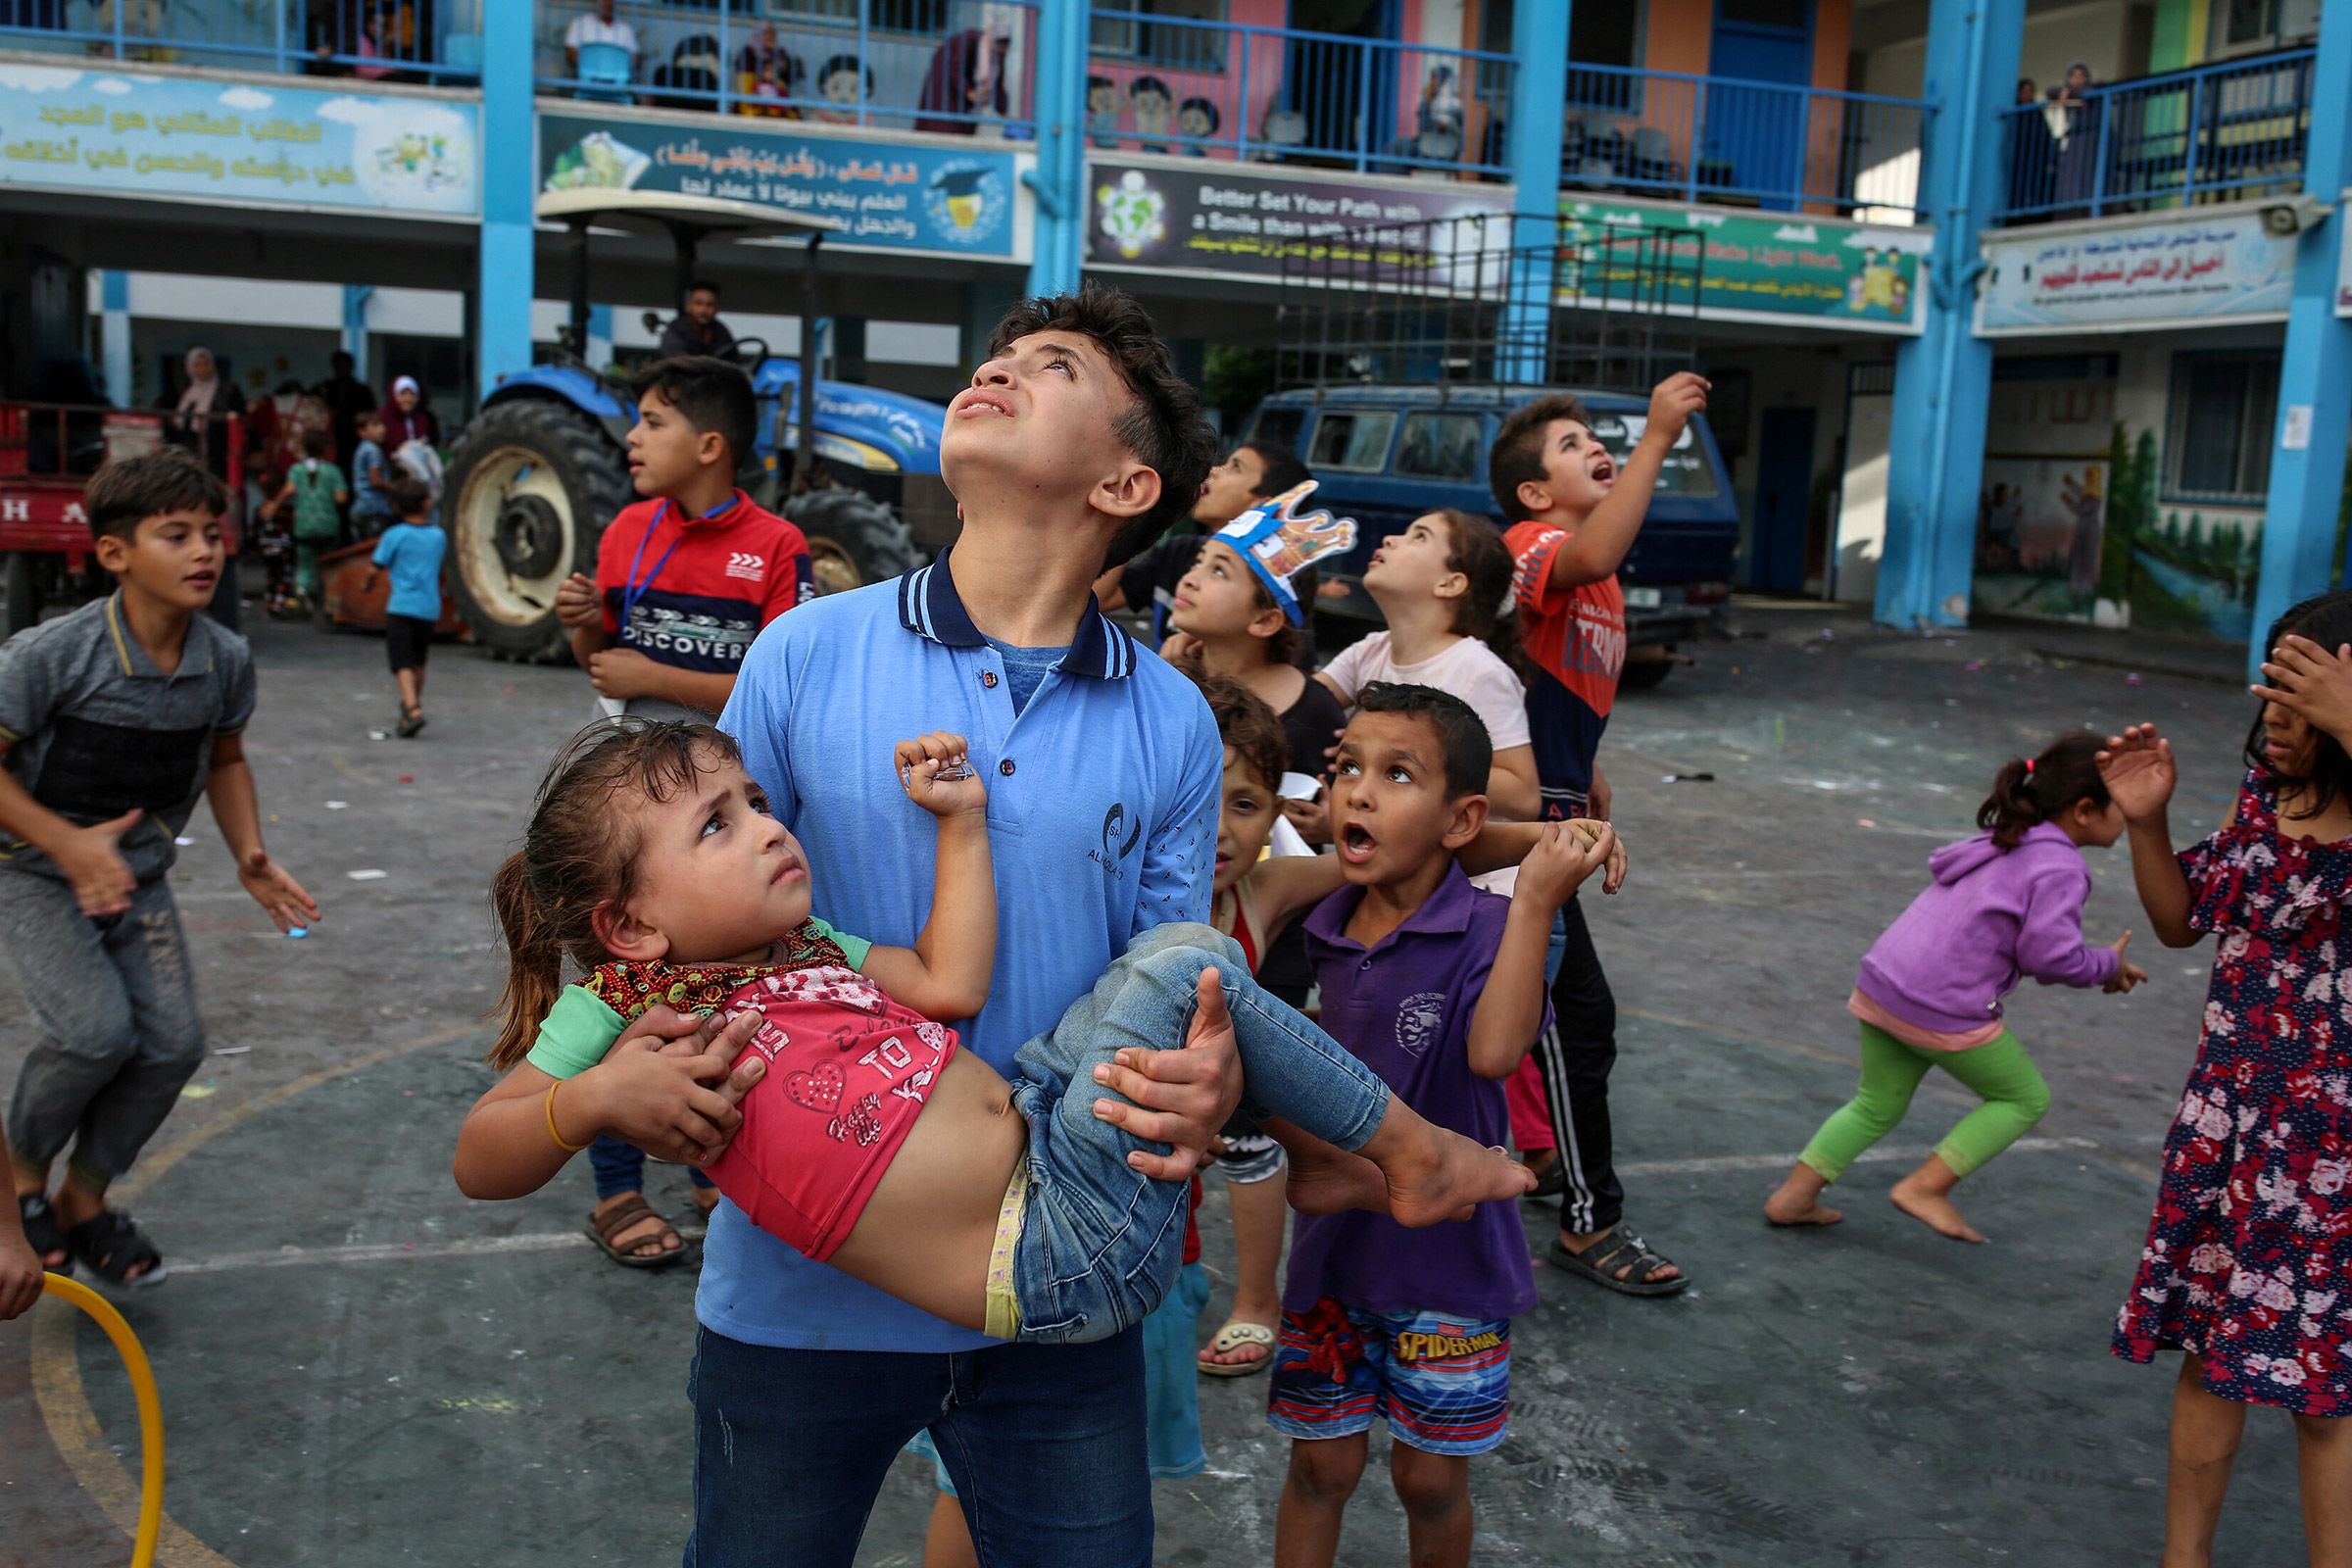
318,489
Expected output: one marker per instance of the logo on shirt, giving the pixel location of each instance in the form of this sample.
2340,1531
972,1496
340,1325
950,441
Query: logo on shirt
740,564
1113,850
1420,1019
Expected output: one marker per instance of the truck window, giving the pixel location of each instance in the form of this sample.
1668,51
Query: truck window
1351,443
1685,470
1439,445
1279,426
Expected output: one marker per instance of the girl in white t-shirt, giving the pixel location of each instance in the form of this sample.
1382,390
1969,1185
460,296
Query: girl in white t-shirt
1445,587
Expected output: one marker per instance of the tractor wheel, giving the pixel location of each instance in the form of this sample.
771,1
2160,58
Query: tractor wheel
530,487
20,591
852,539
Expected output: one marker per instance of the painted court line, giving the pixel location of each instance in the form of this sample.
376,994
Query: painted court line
566,1241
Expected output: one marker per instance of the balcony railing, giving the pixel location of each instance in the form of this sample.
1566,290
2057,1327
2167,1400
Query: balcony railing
1201,89
371,40
1747,143
2220,132
949,67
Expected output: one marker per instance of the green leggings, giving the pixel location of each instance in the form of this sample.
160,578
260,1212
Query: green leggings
2015,1099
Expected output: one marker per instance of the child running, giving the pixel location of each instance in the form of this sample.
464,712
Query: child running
1438,987
2005,903
652,861
410,550
2249,1263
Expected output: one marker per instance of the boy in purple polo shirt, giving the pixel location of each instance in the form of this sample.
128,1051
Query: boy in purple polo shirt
1438,987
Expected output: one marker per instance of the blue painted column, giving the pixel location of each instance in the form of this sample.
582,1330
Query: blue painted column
1943,377
1539,89
502,333
355,326
114,338
599,348
1059,181
2315,375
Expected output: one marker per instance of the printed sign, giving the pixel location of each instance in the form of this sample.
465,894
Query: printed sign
1227,219
891,195
142,133
2162,272
1764,269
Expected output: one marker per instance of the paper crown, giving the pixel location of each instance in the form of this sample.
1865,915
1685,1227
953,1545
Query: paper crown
1279,543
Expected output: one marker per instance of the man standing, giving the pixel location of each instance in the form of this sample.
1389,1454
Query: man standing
346,397
697,329
595,27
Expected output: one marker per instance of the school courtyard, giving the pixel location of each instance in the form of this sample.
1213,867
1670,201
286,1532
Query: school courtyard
359,1366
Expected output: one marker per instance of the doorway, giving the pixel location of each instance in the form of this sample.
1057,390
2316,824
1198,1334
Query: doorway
1755,136
1783,501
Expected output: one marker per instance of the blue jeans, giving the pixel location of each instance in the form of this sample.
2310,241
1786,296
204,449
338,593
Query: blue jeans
621,1167
1043,1441
1101,1242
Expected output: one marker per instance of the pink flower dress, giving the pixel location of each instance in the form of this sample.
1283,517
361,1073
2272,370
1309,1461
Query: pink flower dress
2249,1255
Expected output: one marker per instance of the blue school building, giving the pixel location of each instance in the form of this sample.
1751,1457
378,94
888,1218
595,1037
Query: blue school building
2013,308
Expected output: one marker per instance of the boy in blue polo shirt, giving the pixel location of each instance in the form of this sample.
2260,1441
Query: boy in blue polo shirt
685,579
1438,987
410,550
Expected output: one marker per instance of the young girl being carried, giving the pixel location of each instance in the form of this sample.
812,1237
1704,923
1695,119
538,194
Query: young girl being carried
872,1142
2249,1263
2005,903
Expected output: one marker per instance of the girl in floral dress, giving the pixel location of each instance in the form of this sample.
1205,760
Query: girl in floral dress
2248,1265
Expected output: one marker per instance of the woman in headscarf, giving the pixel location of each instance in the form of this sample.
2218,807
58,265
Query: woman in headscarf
2078,152
966,79
407,418
205,410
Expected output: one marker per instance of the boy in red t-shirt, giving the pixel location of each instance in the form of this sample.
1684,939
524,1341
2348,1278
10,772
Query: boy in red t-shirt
685,579
1573,513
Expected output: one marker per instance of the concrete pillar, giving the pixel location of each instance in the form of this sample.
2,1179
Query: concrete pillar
355,326
503,329
2315,375
1539,89
114,338
1059,181
1943,377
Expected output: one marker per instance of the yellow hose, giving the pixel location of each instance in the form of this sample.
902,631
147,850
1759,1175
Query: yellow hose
151,1409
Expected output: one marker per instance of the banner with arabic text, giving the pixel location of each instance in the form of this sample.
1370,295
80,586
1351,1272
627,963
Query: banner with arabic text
893,195
138,132
2160,271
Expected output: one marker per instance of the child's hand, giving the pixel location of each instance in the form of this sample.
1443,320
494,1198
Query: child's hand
2137,770
576,603
20,1272
276,892
938,775
2307,679
2127,974
1179,647
1587,831
1560,861
102,883
621,673
1671,405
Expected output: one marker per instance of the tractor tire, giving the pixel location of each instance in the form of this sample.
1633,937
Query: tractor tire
532,485
20,591
852,539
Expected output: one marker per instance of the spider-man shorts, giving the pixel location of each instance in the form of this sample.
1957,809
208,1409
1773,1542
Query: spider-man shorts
1442,1383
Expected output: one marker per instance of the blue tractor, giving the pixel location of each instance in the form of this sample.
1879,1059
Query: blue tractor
537,475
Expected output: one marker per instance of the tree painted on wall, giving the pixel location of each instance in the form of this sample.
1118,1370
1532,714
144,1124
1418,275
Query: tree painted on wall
2131,514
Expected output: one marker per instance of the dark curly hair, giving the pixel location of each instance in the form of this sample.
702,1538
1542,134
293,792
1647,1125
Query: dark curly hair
2326,619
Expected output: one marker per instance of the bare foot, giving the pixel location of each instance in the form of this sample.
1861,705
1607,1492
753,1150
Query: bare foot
1782,1209
1439,1175
1932,1209
1324,1180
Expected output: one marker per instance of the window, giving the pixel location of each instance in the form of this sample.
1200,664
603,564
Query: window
1280,426
1357,443
1439,445
2217,448
883,16
2251,27
1129,32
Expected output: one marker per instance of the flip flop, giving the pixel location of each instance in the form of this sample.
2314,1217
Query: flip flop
1232,1336
1599,1263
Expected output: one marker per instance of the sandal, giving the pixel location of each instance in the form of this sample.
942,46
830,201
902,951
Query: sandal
43,1234
411,719
113,1246
634,1210
1233,1337
1599,1263
1550,1182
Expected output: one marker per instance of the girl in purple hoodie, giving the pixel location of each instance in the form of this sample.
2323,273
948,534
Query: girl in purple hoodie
2004,905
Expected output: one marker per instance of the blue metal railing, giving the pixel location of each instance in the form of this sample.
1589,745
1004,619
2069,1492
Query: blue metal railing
951,67
371,40
1716,140
1169,84
2219,133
